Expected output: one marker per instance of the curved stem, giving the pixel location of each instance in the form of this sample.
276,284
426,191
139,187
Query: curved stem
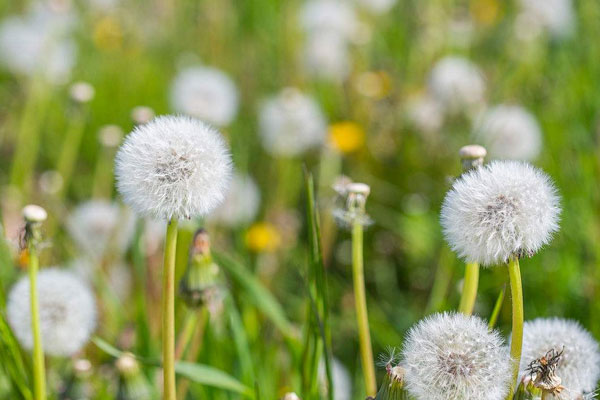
168,312
39,374
469,291
516,343
360,300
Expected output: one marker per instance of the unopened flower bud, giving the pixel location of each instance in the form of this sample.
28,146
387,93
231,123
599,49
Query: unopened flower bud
133,385
472,156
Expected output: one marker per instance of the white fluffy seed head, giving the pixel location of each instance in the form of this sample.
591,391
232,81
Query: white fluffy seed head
241,203
205,93
326,56
173,167
377,6
100,227
502,209
67,312
509,132
556,17
291,123
579,366
425,113
330,16
457,84
451,356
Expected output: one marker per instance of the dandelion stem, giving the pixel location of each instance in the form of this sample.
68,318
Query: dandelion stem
469,292
360,300
516,342
544,395
168,311
497,308
39,374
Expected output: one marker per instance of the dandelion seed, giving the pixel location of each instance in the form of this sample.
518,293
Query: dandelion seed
67,312
579,364
509,132
241,202
205,93
505,208
457,84
173,167
100,227
452,356
291,123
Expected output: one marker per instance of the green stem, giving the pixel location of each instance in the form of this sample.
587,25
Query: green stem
186,334
469,292
516,342
362,318
168,312
39,374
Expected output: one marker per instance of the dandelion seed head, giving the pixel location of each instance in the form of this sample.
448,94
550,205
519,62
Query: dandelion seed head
502,209
241,202
329,16
342,383
100,227
205,93
291,123
327,56
509,132
67,312
556,17
173,167
425,113
452,356
579,365
34,213
457,84
377,6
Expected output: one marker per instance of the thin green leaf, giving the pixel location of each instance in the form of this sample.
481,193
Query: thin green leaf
210,376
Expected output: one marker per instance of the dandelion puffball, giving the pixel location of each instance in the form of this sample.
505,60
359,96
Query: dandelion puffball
499,210
509,132
579,367
67,312
205,93
291,123
99,227
326,56
452,356
173,167
241,203
457,84
330,16
557,17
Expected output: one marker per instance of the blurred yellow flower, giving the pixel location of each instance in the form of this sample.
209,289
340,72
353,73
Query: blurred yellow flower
108,34
262,237
346,136
485,11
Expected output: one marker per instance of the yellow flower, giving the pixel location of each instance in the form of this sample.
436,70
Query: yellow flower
346,136
108,34
485,11
262,237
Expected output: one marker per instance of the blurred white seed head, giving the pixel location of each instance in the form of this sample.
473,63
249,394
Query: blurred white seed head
377,6
555,17
425,113
291,123
457,84
579,366
67,312
81,92
173,167
326,56
502,209
452,356
50,182
329,16
509,132
241,202
38,42
100,228
110,136
205,93
142,114
342,383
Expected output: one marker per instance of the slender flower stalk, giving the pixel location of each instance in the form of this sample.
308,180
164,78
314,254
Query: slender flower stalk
358,193
34,216
168,311
516,343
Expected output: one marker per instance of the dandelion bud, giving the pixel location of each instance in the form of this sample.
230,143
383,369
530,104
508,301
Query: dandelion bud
392,387
133,385
355,202
472,156
81,92
34,214
79,387
200,285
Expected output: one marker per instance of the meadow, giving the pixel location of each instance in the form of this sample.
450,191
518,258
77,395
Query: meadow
331,139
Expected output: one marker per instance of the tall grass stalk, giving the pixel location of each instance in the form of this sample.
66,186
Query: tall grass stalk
360,300
168,310
516,342
39,373
70,150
